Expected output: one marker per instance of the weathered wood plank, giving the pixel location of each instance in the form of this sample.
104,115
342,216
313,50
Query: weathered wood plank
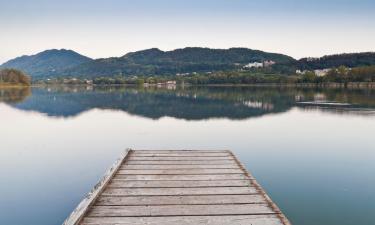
181,210
182,171
188,183
174,167
177,158
179,162
180,200
179,191
182,154
183,177
186,220
180,151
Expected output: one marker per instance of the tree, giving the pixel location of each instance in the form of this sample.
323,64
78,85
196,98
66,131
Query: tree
14,77
309,77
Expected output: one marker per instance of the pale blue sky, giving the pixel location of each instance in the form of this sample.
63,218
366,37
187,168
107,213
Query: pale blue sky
114,27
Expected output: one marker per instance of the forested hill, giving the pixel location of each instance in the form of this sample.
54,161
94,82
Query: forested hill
330,61
151,62
48,62
156,62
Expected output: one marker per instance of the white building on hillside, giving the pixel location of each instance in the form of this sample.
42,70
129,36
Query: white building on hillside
253,65
321,73
268,63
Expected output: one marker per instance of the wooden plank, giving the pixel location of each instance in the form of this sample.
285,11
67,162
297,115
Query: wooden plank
183,177
181,210
186,220
182,171
179,191
180,200
175,167
180,151
179,162
188,183
182,154
177,158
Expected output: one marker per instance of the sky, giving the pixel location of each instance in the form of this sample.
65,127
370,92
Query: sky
98,29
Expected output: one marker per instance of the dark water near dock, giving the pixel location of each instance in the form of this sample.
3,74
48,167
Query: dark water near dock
312,150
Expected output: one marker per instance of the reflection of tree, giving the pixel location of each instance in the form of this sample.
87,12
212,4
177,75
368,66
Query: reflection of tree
14,94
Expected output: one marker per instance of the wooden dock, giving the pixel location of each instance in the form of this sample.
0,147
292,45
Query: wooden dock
177,187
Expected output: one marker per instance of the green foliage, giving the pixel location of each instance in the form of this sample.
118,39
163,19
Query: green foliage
309,77
348,60
14,77
154,62
46,63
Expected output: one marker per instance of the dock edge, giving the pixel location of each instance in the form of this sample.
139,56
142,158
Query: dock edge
77,215
281,215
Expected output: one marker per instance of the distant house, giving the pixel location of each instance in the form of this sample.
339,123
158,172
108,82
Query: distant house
268,63
182,74
253,65
311,59
171,82
321,73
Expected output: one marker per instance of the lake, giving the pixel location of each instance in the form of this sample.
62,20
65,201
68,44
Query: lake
312,150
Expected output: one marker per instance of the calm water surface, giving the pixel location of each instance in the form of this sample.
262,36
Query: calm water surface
313,150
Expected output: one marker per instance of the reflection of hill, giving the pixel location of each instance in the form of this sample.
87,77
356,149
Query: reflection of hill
14,94
198,103
192,103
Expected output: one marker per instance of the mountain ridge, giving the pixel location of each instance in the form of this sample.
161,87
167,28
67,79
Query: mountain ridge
46,62
153,62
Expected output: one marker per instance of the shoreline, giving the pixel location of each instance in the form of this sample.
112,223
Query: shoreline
349,85
370,85
14,86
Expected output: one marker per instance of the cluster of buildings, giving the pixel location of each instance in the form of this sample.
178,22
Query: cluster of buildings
266,63
319,73
69,81
170,84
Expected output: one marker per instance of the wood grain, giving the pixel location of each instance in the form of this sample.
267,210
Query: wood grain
186,220
171,183
180,200
172,187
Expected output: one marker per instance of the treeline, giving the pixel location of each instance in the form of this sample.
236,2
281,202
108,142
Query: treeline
224,77
119,80
14,77
331,61
342,74
237,77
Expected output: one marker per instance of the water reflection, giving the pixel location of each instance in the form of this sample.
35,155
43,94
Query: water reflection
320,158
14,94
191,103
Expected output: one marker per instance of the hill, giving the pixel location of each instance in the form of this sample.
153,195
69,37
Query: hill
330,61
188,60
153,62
46,63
